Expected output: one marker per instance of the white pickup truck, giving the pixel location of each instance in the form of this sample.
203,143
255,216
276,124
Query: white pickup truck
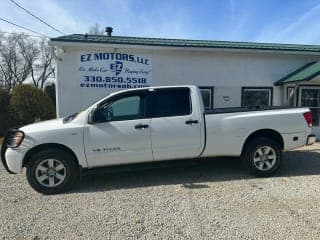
149,125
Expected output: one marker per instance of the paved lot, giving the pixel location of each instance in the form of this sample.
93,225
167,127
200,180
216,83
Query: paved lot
212,199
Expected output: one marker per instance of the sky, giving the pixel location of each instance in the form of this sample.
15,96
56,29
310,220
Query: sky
281,21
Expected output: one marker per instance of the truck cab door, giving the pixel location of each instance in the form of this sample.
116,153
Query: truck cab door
177,127
119,132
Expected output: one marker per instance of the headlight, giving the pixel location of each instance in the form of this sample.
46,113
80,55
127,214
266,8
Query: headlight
15,139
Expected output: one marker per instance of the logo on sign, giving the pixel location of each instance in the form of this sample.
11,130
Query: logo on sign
116,67
114,70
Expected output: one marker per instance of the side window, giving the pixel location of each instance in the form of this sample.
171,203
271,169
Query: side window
253,97
126,108
170,102
129,106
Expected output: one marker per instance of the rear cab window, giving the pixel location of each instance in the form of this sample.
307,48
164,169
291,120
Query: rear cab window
170,102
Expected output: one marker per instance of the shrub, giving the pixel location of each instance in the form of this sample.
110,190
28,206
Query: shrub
29,104
4,113
50,90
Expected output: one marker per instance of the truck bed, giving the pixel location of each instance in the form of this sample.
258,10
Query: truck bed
228,128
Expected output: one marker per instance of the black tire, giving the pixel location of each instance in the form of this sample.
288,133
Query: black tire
62,160
265,164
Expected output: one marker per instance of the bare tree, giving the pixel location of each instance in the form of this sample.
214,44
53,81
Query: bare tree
17,55
43,68
22,58
96,29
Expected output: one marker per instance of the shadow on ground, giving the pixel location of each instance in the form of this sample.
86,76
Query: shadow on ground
193,174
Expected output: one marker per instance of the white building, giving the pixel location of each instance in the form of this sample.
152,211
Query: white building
231,74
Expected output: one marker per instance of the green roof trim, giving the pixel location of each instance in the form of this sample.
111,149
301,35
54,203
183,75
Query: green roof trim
163,42
305,73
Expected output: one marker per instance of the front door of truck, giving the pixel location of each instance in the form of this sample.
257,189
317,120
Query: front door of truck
119,132
175,124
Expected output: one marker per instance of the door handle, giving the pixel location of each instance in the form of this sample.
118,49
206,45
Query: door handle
141,126
191,122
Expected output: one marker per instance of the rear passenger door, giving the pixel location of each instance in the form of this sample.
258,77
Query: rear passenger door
175,126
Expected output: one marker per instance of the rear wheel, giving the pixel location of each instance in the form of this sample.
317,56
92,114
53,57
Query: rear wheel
52,171
262,156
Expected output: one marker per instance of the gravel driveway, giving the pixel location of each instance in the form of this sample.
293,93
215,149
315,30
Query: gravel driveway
203,199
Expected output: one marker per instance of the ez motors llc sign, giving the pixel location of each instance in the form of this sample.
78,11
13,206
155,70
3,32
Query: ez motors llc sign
114,70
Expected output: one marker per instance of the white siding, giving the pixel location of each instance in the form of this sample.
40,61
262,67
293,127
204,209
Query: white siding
226,71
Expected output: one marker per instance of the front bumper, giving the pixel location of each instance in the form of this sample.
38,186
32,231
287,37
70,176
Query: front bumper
311,139
14,159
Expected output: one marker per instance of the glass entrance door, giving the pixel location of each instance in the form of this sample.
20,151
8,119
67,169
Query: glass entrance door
310,97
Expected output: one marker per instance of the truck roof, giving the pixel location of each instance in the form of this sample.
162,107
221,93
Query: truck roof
152,87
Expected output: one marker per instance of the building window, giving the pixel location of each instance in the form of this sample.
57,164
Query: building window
207,97
256,96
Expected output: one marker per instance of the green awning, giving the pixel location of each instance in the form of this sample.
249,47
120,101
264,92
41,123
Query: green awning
305,73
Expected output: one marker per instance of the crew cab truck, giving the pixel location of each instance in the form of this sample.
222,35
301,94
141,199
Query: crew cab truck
148,125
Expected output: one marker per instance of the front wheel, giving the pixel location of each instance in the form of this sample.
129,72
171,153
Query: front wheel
52,171
262,157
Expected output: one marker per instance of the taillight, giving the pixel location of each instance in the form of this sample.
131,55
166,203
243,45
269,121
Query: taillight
308,118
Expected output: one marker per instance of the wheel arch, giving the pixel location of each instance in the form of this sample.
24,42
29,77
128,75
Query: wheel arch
44,146
264,133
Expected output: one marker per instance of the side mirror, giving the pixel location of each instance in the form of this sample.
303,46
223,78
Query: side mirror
91,116
96,116
110,113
